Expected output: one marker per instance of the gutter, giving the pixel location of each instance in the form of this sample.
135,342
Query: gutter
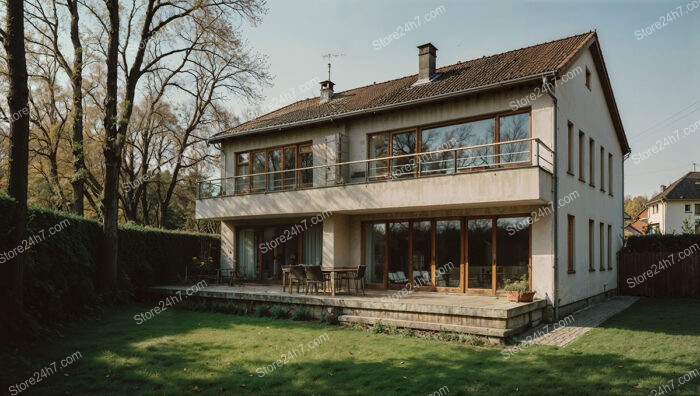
555,169
394,106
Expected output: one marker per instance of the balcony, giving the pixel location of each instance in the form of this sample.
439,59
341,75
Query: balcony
511,172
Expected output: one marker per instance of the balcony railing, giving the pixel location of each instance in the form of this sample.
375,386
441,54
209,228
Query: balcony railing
485,157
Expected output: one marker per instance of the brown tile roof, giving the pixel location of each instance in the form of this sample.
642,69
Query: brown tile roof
552,56
685,188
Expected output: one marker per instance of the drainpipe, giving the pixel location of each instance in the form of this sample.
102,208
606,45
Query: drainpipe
555,289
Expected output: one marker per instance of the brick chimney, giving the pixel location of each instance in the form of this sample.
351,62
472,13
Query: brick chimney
426,63
326,91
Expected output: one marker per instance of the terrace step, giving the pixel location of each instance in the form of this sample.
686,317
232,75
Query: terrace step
481,331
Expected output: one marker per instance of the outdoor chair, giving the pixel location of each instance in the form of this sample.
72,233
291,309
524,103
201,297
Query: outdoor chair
314,277
298,275
358,277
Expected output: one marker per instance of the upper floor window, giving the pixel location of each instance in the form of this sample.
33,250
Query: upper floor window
602,169
688,208
487,142
570,167
591,162
610,174
274,169
581,156
588,78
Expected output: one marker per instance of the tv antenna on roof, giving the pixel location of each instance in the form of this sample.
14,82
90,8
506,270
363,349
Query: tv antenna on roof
330,56
694,165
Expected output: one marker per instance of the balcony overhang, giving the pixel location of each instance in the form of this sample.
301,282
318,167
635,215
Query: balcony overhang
530,185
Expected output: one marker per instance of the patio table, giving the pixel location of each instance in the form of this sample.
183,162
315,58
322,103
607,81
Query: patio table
335,272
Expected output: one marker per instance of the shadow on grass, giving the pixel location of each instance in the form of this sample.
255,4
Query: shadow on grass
183,352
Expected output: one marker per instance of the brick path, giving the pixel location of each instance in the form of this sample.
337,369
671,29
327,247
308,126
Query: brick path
583,321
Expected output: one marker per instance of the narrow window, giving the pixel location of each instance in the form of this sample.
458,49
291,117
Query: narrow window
602,247
697,209
588,79
591,240
609,246
581,156
570,168
602,169
591,161
571,244
610,174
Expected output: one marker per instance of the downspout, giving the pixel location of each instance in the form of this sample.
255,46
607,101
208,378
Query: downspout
555,182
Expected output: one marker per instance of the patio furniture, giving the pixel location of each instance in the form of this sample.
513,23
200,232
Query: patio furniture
230,276
398,277
358,277
335,274
421,278
314,277
297,274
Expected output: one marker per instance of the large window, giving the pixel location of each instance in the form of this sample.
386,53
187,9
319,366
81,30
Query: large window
511,129
283,162
512,249
482,132
432,252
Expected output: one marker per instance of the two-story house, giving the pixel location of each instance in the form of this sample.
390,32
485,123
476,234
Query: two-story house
464,176
676,209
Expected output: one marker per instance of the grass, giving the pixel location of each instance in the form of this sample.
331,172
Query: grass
186,352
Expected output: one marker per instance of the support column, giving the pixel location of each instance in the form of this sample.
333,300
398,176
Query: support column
228,245
336,241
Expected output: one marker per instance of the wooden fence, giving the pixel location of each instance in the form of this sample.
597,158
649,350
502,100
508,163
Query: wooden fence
660,274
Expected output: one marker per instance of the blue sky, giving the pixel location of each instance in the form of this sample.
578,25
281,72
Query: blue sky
656,80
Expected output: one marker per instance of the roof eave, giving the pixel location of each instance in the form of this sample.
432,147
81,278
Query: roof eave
281,127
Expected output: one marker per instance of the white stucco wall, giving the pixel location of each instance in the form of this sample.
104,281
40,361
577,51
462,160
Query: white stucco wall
672,214
588,111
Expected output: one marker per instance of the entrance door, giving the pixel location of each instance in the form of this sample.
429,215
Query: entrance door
448,252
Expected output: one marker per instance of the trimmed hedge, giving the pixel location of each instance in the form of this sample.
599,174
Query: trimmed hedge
660,243
60,279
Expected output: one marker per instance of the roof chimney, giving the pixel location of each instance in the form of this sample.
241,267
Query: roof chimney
326,91
663,188
426,63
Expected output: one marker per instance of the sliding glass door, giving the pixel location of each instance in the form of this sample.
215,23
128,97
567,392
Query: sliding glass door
469,254
448,251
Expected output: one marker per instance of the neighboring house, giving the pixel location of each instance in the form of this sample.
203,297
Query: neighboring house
676,209
446,176
638,225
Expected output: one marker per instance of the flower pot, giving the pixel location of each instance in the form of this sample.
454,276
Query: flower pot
517,296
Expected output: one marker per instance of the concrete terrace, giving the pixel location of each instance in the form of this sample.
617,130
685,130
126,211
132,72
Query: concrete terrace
489,316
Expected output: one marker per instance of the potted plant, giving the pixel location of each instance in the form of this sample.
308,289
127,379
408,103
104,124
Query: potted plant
519,291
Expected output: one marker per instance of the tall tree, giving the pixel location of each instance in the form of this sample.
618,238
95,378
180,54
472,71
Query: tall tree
18,103
192,27
113,143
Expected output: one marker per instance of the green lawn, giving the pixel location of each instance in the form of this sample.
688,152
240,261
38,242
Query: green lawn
185,352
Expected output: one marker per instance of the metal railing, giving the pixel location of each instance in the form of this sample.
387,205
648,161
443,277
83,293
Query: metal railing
485,157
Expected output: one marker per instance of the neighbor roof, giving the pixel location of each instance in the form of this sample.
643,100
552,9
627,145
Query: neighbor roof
458,79
685,188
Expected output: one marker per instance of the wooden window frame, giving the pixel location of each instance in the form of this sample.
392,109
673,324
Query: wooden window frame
610,174
609,247
581,156
591,162
419,133
571,244
570,167
266,150
601,235
591,245
602,168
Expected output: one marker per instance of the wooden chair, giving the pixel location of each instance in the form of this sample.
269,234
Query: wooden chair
358,277
314,277
297,274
